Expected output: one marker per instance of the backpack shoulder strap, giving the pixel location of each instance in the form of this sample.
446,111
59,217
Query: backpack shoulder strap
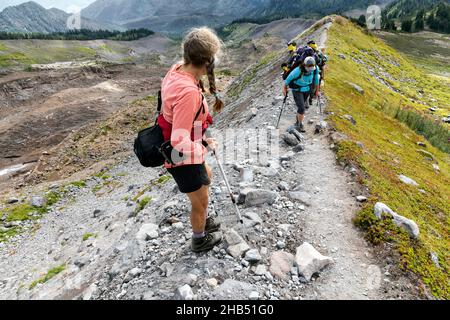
159,107
202,108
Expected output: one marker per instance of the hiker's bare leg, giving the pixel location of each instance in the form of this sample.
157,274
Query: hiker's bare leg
300,118
199,200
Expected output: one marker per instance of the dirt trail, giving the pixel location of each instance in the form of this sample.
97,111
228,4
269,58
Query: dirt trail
115,262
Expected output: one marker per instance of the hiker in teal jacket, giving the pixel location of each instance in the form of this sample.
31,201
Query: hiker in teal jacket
303,81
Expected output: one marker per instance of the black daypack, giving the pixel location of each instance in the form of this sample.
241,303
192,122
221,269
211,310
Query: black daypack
150,147
148,143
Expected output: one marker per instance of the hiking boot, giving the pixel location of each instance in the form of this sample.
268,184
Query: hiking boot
207,242
212,225
299,127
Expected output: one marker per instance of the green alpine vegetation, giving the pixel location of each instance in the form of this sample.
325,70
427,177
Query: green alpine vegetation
50,274
391,119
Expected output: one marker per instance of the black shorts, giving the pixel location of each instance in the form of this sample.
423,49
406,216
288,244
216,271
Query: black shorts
190,178
301,99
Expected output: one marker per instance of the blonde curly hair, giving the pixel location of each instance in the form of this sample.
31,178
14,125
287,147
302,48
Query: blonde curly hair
201,47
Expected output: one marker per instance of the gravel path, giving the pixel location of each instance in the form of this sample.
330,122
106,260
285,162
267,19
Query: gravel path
111,250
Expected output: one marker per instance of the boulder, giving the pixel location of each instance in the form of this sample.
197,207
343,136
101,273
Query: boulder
238,250
232,238
408,181
292,130
259,197
253,218
361,198
281,263
356,87
252,256
260,270
309,261
321,126
148,231
233,289
408,225
301,196
290,139
38,202
184,293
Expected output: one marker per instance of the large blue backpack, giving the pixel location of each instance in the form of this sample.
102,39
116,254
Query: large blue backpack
302,54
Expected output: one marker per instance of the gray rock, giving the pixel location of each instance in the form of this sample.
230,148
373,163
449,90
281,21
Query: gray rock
298,148
361,199
147,231
259,197
350,118
321,126
253,218
232,238
81,262
254,295
301,196
191,279
287,157
243,195
38,202
96,213
178,226
246,175
356,87
184,293
268,171
233,289
252,256
408,225
283,186
212,283
281,244
12,200
422,144
260,270
238,250
435,259
342,56
126,260
281,263
300,137
408,181
436,168
428,155
309,261
290,139
133,273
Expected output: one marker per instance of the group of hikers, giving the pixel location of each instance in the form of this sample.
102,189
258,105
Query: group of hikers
184,118
303,74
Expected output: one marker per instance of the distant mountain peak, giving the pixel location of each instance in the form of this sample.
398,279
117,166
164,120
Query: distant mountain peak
32,17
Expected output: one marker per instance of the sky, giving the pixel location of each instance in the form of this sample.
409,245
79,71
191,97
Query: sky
60,4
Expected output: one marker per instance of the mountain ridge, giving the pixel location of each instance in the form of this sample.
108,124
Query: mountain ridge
32,17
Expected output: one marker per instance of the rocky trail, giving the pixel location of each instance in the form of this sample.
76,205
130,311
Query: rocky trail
126,233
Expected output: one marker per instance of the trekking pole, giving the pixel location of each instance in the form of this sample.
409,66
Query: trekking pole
319,104
233,198
282,108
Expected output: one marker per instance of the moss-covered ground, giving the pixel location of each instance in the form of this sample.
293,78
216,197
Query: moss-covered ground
389,146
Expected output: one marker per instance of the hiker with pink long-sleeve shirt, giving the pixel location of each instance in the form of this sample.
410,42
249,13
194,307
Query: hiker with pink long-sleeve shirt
184,120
